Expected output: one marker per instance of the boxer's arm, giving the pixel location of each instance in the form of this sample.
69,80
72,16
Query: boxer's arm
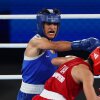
83,75
58,61
61,60
43,43
88,44
61,46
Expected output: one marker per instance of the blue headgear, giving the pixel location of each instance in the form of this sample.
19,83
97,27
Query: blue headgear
48,16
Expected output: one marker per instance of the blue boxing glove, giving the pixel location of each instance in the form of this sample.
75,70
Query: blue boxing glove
88,44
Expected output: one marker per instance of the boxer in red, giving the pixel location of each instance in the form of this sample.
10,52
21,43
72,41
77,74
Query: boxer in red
73,75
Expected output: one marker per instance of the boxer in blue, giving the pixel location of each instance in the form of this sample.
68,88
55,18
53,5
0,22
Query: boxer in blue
37,67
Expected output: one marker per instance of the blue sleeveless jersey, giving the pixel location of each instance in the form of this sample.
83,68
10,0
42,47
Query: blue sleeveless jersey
38,69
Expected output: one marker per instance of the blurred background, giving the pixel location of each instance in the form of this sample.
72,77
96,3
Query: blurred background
20,31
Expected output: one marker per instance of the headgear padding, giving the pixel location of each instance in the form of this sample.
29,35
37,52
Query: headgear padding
47,16
95,57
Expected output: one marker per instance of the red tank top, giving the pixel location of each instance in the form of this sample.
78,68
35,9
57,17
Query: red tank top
62,82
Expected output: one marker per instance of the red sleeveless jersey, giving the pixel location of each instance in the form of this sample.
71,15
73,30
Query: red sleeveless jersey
62,82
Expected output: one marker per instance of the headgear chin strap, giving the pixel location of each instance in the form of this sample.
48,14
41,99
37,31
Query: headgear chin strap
47,16
95,57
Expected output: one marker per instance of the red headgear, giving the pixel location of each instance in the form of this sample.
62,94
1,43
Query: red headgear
95,57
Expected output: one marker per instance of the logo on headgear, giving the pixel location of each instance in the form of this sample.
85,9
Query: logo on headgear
96,55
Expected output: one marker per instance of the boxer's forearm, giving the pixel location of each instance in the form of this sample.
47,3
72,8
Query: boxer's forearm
60,46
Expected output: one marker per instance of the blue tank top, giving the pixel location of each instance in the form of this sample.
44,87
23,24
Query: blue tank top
38,69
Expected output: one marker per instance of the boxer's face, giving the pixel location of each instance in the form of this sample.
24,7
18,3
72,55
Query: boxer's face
50,30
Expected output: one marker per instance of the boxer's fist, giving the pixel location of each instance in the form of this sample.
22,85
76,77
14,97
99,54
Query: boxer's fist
88,44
